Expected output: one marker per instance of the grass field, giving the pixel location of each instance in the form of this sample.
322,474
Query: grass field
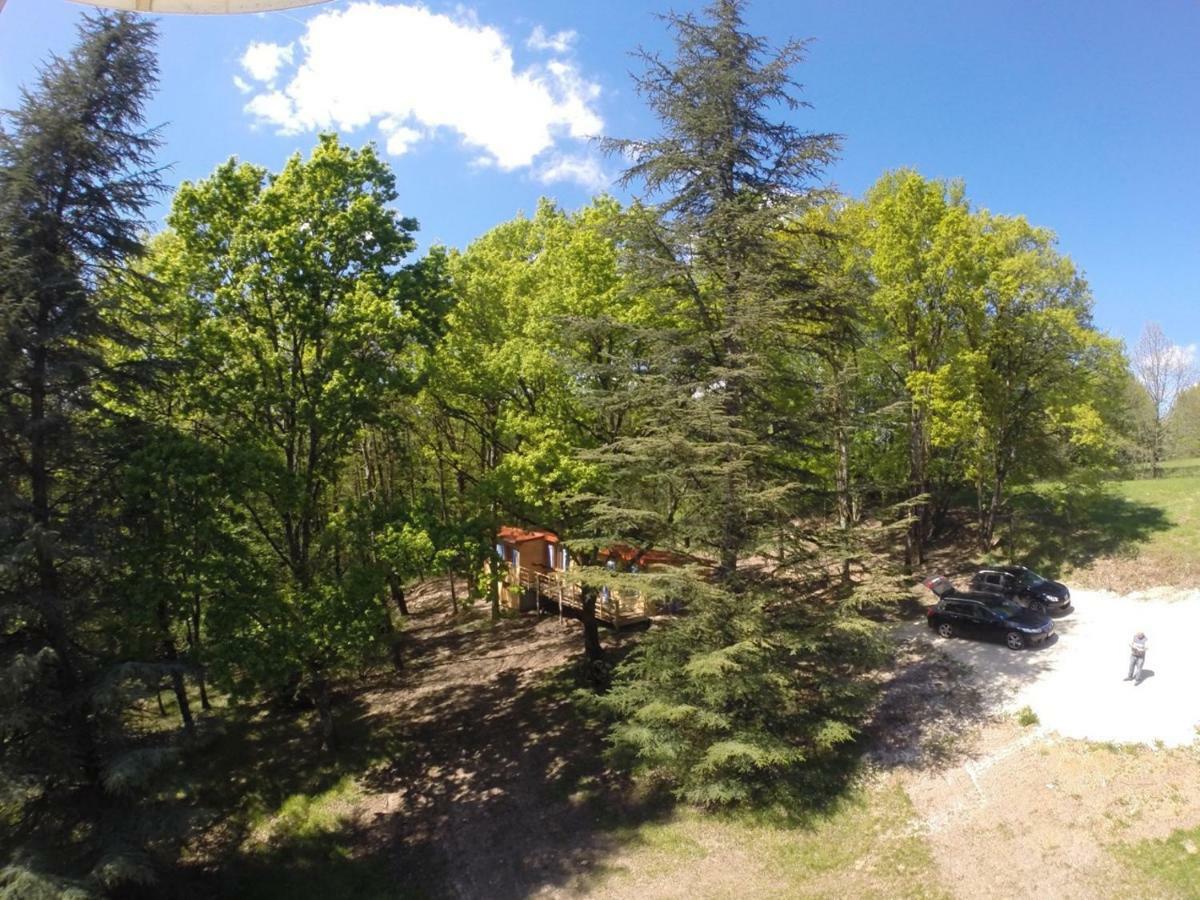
1120,535
868,845
1169,867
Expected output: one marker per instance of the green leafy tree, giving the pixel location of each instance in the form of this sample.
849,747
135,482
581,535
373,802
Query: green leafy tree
1025,398
1183,424
523,349
308,329
917,248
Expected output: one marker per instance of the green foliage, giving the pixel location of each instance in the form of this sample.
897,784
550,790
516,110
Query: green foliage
20,882
1183,424
985,333
296,355
228,451
748,697
1027,717
302,816
77,176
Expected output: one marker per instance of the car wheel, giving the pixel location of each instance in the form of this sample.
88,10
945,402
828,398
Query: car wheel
1015,640
945,630
1038,607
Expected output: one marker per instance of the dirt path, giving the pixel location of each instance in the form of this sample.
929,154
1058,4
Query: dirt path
1032,815
490,802
1015,811
1074,683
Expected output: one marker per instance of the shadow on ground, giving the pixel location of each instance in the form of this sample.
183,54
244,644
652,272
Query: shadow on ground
473,775
927,705
940,689
1065,527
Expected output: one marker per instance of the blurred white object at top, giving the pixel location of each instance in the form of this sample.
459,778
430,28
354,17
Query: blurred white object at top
209,7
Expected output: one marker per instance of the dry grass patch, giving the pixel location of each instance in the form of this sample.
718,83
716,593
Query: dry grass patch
866,846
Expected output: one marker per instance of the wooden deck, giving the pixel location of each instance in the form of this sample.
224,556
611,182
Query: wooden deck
530,588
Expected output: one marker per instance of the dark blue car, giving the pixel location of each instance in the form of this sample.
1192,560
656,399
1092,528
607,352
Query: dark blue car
1024,586
980,615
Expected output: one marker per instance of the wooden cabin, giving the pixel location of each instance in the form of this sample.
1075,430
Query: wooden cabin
527,554
535,563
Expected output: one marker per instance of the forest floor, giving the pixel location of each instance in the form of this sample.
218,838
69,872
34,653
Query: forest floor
476,773
473,774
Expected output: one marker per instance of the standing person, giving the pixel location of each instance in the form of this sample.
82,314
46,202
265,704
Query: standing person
1137,657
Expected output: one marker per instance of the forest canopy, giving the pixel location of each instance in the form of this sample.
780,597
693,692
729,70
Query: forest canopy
232,445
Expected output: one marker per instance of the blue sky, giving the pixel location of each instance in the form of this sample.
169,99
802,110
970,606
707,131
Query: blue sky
1083,116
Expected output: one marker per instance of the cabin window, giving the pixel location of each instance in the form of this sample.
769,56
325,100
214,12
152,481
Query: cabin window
516,560
500,551
550,554
565,559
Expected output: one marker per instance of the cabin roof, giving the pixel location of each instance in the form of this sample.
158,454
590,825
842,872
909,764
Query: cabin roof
650,557
511,534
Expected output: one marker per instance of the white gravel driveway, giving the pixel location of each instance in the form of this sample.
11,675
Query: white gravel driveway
1075,682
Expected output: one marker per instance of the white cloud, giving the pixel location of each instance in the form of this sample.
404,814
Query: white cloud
581,169
241,84
559,42
413,72
399,137
262,61
272,106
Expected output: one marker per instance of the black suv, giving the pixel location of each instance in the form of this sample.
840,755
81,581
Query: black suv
978,614
1025,587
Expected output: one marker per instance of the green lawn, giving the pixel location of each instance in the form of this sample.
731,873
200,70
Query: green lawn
1177,464
1168,867
1121,534
1178,497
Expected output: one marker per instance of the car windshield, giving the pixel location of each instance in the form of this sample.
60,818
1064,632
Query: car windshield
1005,608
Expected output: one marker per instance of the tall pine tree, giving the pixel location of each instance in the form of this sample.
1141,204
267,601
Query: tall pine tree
754,688
76,176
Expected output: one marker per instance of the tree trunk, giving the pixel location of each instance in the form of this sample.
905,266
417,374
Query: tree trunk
1156,443
181,697
201,683
393,634
592,648
171,655
845,502
193,640
162,710
324,703
988,527
914,544
453,597
397,591
494,585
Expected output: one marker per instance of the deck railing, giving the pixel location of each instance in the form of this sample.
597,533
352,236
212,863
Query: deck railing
612,606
